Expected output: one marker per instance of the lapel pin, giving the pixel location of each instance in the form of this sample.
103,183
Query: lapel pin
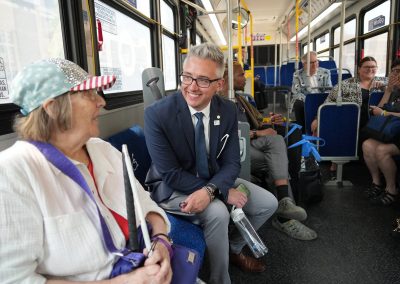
216,122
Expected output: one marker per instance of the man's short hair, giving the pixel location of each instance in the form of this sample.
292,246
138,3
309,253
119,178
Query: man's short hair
211,52
304,57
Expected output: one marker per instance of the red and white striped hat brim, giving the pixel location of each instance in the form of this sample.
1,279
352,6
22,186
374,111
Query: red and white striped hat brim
98,82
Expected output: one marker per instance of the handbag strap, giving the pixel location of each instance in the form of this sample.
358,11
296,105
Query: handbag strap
61,162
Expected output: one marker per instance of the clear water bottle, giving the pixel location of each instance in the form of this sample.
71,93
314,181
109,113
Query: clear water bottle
248,233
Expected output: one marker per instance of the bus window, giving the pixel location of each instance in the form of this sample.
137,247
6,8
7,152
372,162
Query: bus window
377,17
349,32
322,42
142,5
305,47
167,17
169,60
348,53
168,46
123,53
28,31
376,47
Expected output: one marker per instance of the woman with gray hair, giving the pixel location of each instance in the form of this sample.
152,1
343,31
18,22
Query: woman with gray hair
52,224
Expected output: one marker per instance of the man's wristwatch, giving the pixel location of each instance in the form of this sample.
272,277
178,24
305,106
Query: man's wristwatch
254,132
211,190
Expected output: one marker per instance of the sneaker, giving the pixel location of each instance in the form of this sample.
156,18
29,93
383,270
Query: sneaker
295,229
287,209
373,191
385,199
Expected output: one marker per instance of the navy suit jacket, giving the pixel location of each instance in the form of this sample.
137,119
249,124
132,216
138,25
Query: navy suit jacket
169,133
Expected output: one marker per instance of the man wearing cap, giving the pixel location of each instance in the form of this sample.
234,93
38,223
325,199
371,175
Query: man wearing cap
50,224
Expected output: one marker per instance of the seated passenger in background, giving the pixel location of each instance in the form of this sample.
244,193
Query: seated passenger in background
268,158
317,82
200,178
378,155
48,225
357,90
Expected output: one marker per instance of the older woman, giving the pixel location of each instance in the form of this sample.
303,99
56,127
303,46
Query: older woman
47,231
378,155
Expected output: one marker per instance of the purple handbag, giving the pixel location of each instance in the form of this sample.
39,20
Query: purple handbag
185,262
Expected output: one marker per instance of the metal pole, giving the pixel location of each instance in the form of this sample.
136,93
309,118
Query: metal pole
309,40
231,93
339,98
276,72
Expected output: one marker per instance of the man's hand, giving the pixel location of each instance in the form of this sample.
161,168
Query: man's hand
196,202
237,198
276,118
265,132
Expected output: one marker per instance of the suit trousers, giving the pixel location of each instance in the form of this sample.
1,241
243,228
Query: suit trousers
268,156
214,220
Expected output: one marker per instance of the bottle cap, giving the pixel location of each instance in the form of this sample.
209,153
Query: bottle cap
237,214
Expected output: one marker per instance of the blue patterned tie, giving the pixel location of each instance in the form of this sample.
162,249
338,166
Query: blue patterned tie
200,146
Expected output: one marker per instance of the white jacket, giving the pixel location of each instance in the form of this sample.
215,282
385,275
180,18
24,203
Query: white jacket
45,229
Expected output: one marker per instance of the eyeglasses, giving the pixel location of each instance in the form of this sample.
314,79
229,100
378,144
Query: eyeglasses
201,82
396,71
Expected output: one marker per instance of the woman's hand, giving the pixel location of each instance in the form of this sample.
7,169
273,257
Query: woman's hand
147,274
377,84
160,257
376,110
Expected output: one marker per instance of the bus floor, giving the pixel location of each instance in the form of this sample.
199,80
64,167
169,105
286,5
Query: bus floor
354,244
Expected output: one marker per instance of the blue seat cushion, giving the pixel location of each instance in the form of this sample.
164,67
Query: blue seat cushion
187,234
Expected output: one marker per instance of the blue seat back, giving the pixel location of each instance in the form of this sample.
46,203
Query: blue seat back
338,126
136,143
375,98
287,71
327,64
271,75
311,105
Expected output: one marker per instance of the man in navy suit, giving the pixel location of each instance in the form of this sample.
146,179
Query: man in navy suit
170,136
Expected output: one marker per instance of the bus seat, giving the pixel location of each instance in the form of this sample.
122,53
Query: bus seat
338,126
244,143
153,85
311,105
182,232
270,73
134,139
375,98
260,71
346,74
327,64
